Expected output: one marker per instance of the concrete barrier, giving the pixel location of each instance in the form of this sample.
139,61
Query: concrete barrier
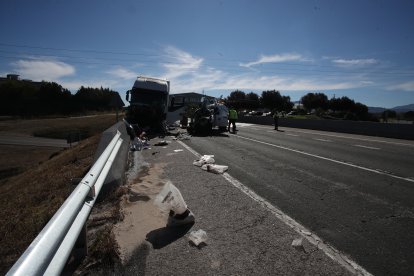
399,131
116,175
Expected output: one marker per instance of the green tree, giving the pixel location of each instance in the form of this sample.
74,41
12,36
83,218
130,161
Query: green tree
315,101
252,101
271,100
237,99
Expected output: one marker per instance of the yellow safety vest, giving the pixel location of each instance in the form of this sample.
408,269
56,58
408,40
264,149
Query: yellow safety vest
232,114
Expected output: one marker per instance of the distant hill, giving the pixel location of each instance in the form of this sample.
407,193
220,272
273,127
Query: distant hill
376,109
404,108
399,109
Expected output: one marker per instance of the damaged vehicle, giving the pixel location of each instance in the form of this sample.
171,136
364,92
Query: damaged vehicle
148,100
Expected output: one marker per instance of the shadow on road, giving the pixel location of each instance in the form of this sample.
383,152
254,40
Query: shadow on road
162,237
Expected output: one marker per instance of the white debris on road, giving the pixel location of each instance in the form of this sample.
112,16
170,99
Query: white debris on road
198,237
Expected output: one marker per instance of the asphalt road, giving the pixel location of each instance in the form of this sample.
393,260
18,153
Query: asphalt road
355,192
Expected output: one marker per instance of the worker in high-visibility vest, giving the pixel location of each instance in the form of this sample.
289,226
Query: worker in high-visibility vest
232,118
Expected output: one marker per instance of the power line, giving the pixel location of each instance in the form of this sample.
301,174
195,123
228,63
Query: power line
167,56
292,71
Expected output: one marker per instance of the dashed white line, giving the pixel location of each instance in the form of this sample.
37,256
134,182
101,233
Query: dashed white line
322,140
342,136
314,239
327,159
289,134
366,147
356,138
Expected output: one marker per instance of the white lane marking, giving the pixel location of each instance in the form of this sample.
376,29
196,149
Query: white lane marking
244,124
366,147
323,140
314,239
345,137
328,159
356,138
295,135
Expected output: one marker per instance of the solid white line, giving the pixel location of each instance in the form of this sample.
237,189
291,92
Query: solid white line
323,140
327,159
314,239
366,147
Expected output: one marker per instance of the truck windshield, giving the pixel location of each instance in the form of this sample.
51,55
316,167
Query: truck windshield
148,97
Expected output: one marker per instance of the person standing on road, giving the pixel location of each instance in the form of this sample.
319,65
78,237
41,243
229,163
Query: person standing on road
276,120
232,118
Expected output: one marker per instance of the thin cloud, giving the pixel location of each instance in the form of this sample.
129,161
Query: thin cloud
354,62
274,59
43,69
74,85
406,86
122,73
180,62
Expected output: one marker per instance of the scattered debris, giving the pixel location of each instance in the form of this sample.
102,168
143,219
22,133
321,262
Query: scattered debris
136,144
298,244
183,136
177,220
155,152
205,159
161,143
170,200
307,233
198,237
139,144
218,169
178,150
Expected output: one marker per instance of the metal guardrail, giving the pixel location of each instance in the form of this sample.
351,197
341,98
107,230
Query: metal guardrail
49,252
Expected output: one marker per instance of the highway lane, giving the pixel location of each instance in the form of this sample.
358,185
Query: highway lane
388,155
359,199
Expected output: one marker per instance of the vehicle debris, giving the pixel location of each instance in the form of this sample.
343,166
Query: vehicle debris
298,244
170,200
218,169
198,237
161,143
205,159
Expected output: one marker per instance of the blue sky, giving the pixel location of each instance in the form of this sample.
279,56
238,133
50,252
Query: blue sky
360,49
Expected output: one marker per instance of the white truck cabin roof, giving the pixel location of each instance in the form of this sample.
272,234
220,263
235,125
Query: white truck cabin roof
152,84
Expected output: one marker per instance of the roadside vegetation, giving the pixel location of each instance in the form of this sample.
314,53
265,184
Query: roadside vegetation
31,198
35,181
310,106
60,128
28,99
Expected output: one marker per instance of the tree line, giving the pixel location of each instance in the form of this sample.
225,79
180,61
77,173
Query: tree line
317,103
271,100
23,98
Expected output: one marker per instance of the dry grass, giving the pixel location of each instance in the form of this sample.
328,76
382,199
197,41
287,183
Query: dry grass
60,127
30,199
37,180
17,159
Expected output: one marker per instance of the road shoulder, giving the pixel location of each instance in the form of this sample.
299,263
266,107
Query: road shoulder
243,237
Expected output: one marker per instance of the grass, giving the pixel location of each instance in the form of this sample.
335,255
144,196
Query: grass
60,128
30,199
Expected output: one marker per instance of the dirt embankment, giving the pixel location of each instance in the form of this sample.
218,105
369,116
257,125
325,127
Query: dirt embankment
31,198
35,181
